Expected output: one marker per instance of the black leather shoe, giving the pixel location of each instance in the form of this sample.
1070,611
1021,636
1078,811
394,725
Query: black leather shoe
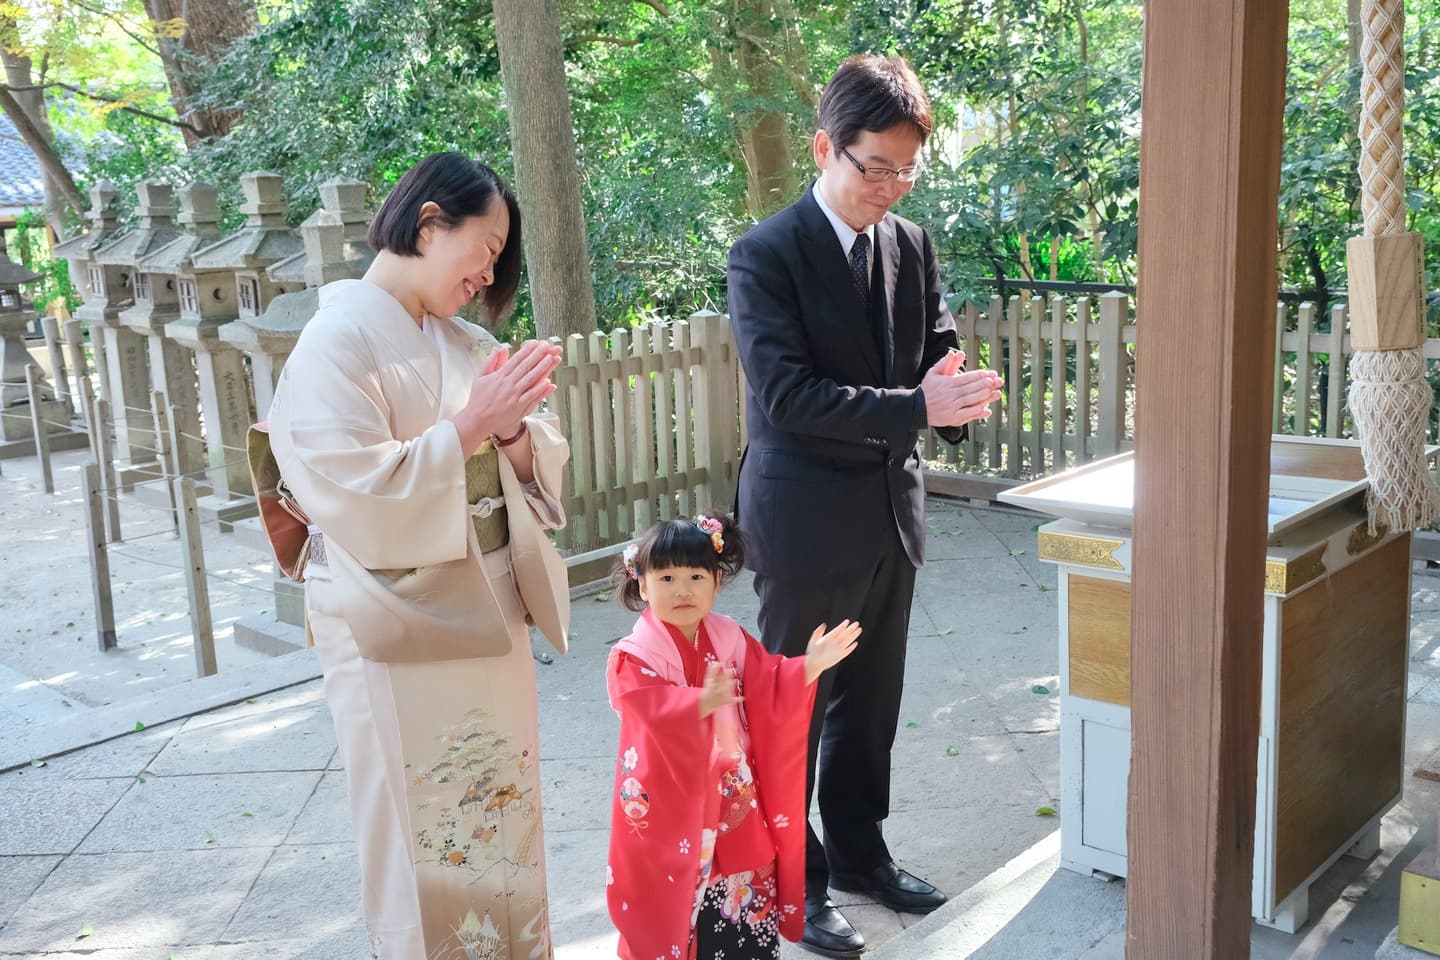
828,933
893,887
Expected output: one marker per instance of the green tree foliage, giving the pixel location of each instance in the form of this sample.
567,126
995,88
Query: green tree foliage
28,244
362,88
1319,184
104,86
662,107
1033,169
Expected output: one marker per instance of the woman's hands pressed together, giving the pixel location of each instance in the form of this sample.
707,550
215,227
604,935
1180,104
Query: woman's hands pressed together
507,389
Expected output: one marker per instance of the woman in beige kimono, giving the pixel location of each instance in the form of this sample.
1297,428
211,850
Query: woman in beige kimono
411,442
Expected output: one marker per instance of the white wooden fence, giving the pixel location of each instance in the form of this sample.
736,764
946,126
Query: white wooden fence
1069,370
655,422
655,414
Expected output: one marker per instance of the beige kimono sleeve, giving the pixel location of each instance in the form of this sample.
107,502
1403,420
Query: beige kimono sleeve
548,453
390,502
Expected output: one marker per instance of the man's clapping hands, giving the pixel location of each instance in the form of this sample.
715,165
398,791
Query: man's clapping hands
953,397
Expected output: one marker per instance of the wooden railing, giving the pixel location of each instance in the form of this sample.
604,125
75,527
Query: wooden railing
1068,368
656,422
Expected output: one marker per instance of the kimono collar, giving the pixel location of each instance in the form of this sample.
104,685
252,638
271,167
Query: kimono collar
651,642
379,303
439,358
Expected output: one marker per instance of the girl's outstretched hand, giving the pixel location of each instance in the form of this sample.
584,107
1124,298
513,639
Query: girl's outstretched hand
827,649
718,690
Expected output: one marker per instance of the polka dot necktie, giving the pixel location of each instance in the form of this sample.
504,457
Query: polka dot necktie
860,266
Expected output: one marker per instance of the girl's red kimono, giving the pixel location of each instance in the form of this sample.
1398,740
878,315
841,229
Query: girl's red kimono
707,828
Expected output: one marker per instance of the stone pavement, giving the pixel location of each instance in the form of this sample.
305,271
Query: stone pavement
225,835
1030,909
50,663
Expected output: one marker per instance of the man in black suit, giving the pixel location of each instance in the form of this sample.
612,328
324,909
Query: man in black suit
849,351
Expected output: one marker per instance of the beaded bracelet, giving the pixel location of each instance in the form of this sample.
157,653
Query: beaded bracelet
506,441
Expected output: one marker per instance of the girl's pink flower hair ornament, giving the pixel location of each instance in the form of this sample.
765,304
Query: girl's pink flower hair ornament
715,529
632,551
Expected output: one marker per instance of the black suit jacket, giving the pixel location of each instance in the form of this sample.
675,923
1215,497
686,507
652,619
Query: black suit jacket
833,410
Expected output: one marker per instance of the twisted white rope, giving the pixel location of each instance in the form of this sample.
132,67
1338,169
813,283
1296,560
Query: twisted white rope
1389,398
1382,117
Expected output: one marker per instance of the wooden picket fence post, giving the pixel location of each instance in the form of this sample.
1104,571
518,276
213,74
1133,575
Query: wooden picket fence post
164,416
197,587
715,410
655,425
1114,374
1277,414
40,427
98,549
75,343
103,449
51,328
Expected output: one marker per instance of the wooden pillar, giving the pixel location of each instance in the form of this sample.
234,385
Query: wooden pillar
1214,91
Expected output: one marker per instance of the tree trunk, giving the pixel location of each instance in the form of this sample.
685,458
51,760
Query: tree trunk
769,165
1354,29
771,180
1026,267
547,176
1013,124
997,193
759,62
1097,236
27,110
191,35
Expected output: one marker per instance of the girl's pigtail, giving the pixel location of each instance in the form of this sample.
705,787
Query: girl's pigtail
732,554
630,595
625,577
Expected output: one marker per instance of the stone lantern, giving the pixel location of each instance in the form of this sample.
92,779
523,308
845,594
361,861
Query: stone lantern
119,351
87,278
335,248
264,241
161,270
16,313
156,303
217,282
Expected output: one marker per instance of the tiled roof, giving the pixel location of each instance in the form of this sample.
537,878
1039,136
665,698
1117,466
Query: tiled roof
358,257
20,180
12,273
21,183
174,256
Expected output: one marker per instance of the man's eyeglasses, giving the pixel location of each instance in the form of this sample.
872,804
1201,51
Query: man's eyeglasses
883,174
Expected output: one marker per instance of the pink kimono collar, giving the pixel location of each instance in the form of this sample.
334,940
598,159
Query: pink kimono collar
650,643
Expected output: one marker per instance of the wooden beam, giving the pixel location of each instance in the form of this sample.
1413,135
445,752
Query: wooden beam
1214,90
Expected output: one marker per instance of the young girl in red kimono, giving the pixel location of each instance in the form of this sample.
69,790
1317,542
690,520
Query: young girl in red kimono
707,828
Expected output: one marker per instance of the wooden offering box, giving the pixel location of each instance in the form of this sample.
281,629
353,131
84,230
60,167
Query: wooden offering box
1332,711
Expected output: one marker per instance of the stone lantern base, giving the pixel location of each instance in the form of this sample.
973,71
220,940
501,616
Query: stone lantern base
17,431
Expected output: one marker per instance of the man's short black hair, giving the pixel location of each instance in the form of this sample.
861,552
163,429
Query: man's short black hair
461,188
873,93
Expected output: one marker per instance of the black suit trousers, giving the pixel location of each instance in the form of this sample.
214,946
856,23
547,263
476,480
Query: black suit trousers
857,702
